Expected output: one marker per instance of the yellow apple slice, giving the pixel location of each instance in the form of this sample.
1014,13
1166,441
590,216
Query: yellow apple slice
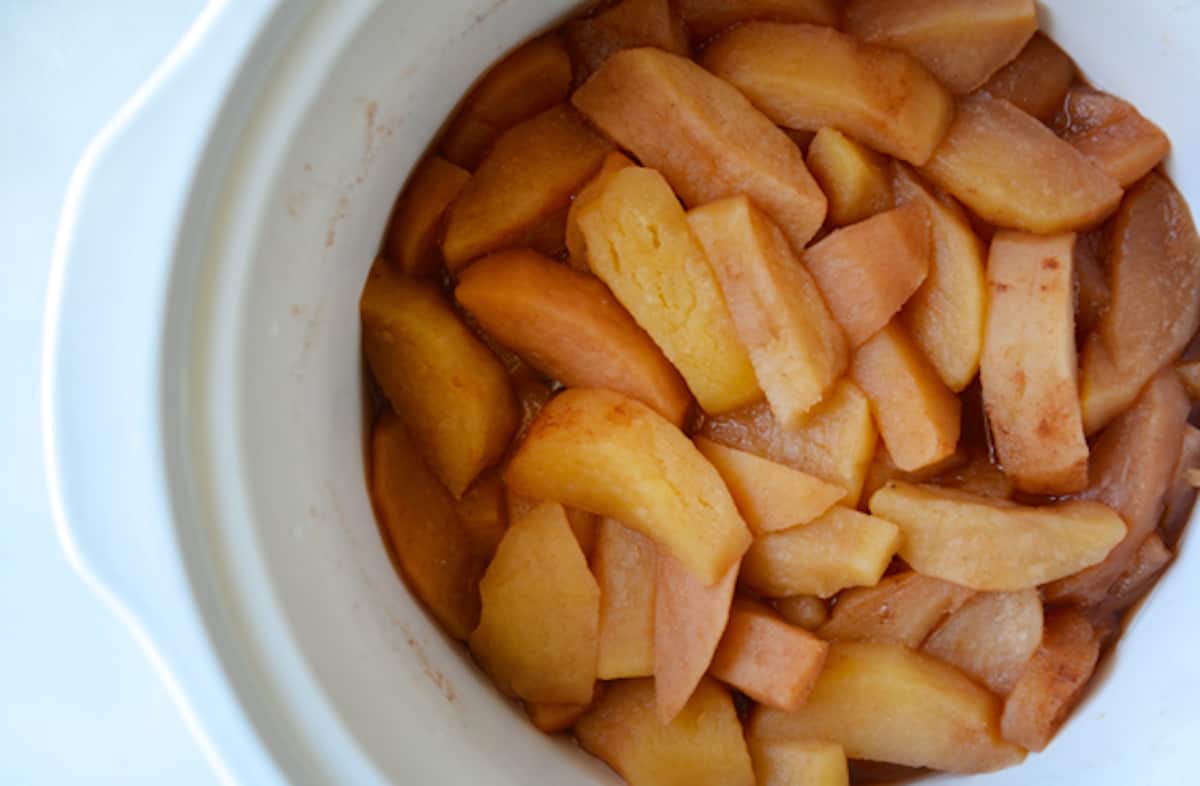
799,763
803,611
412,239
854,178
904,608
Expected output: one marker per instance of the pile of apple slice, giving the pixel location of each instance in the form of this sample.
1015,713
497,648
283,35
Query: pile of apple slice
729,348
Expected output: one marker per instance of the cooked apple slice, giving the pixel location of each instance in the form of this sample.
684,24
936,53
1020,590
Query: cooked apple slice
797,349
991,637
703,746
804,611
835,443
1189,375
963,42
1148,563
919,418
1014,172
627,25
1112,133
583,524
772,662
945,317
526,179
904,608
867,271
1091,280
553,718
483,511
770,496
935,716
412,238
601,452
1181,495
809,77
977,476
689,618
854,178
883,470
1132,468
538,629
569,326
1154,278
1051,682
716,143
706,18
451,392
433,546
995,545
624,564
843,548
574,238
1037,81
1029,370
798,763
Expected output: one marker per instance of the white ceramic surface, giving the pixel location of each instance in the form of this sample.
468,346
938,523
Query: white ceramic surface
244,193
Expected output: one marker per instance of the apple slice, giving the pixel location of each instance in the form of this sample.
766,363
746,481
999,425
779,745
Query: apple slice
452,394
583,524
799,763
412,238
703,746
963,42
809,77
715,144
1014,172
904,608
553,718
854,178
573,235
883,470
569,326
991,637
843,548
995,545
626,25
483,511
1029,368
1181,495
867,271
977,476
1148,563
613,456
1112,133
706,18
935,716
1093,296
1037,81
624,564
803,611
797,349
1189,375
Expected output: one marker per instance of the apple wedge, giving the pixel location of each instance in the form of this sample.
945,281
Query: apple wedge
803,611
569,326
706,18
1148,563
1189,375
995,545
883,470
904,608
704,136
935,716
798,763
452,394
625,567
613,456
1093,295
483,511
979,475
553,718
412,238
797,349
991,637
1037,81
573,235
1112,133
810,77
583,524
1181,495
1014,172
626,25
854,178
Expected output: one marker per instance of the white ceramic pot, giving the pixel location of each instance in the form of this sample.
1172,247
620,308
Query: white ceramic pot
204,415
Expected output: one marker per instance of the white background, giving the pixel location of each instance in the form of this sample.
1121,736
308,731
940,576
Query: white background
78,701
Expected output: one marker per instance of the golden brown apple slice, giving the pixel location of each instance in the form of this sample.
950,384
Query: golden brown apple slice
569,326
1014,172
843,548
854,178
991,637
904,608
1051,682
1189,375
626,25
451,392
1037,81
639,243
797,349
799,763
963,42
703,746
770,496
704,136
1132,468
432,545
412,239
1029,369
553,718
613,456
995,545
624,564
919,418
769,660
706,18
574,237
483,511
809,77
1181,495
1112,133
1148,563
867,271
538,629
532,79
1154,278
527,178
835,443
935,716
945,317
804,611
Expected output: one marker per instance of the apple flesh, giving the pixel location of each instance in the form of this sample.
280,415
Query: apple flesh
991,637
904,608
628,24
1112,133
625,567
799,763
706,18
1037,81
413,233
803,611
853,177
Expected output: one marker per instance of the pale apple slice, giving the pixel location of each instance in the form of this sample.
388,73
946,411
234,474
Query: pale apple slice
625,567
854,178
809,77
573,236
1037,81
799,763
935,716
797,349
704,136
583,524
412,238
995,545
1014,172
804,611
1112,133
706,18
628,24
991,637
904,608
613,456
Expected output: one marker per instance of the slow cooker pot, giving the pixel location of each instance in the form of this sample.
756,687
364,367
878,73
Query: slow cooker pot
204,409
